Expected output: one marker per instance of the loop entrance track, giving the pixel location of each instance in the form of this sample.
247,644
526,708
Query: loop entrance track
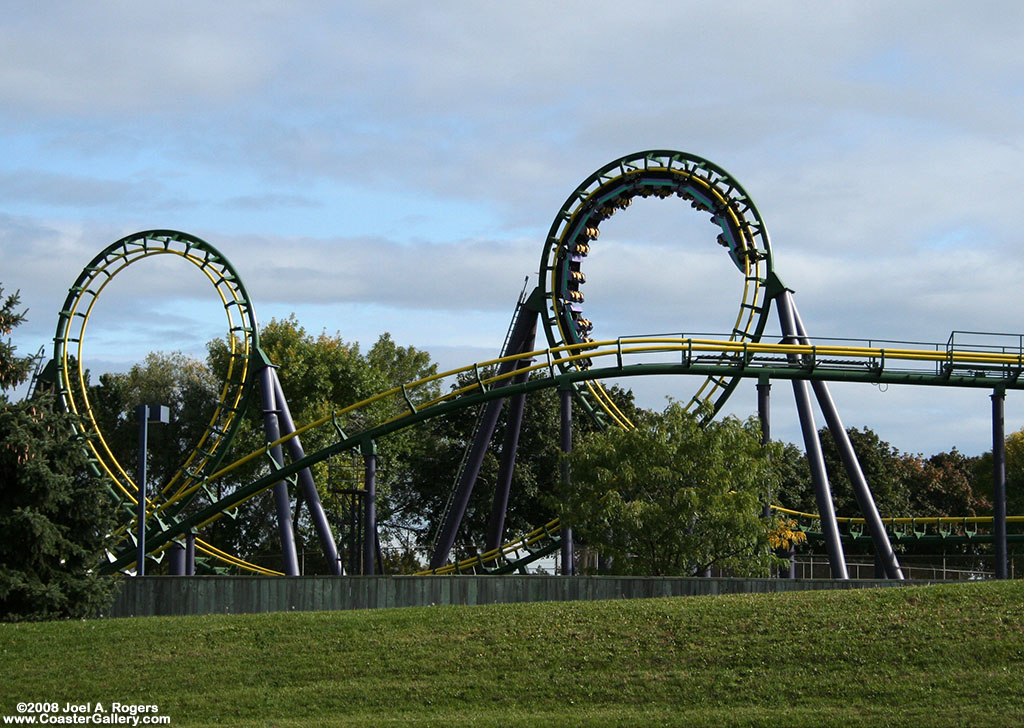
939,365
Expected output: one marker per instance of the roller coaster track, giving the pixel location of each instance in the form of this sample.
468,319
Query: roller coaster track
572,360
70,380
936,366
662,174
945,529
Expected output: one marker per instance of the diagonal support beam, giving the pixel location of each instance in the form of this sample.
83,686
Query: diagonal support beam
271,426
526,322
306,483
509,446
812,445
861,489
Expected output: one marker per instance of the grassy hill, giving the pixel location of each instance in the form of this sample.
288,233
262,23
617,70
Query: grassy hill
950,655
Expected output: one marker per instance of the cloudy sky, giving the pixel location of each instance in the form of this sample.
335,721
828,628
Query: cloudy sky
376,166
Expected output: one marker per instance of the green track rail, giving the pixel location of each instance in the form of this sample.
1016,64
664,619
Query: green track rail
573,359
663,174
939,529
937,365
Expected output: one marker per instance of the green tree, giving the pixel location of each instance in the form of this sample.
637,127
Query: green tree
904,484
319,374
55,516
981,475
945,484
942,485
13,369
182,383
672,497
886,469
1014,474
795,491
433,466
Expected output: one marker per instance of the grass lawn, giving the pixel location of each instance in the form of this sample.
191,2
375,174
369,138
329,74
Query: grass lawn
949,655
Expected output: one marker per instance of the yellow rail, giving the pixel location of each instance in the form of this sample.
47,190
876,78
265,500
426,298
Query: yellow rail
634,347
512,547
403,405
904,520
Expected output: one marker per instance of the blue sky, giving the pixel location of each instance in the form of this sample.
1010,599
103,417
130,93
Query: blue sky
385,166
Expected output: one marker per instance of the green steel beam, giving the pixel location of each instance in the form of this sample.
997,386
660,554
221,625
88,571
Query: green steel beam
752,370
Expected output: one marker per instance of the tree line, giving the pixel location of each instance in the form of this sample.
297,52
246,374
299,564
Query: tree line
668,497
322,372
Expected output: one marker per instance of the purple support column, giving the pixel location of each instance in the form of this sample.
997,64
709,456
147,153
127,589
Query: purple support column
999,482
861,490
506,468
764,388
176,560
496,526
568,551
190,554
309,491
281,499
819,476
140,511
526,322
370,532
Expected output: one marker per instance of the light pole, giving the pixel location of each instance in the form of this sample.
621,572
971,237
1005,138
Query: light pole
144,414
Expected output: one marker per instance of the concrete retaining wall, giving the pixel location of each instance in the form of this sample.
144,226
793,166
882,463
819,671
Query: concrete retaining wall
166,595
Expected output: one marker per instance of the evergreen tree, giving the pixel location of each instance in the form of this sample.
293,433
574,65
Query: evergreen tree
55,516
13,369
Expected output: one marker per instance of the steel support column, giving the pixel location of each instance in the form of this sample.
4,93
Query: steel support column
764,389
309,491
565,441
510,443
176,560
861,489
999,482
370,528
141,415
465,487
819,476
284,509
525,325
190,554
499,507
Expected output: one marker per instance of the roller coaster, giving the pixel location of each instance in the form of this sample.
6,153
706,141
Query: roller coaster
572,362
